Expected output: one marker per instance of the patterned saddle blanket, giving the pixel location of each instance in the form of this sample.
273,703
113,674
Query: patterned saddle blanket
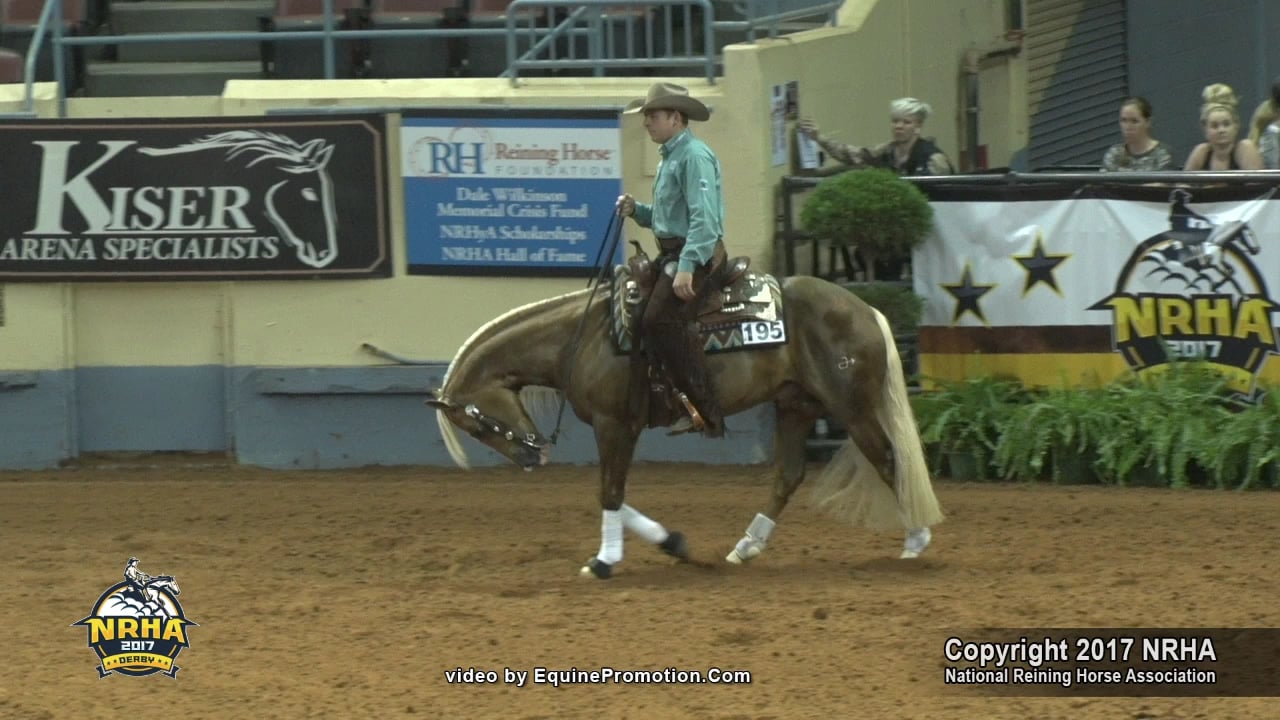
745,314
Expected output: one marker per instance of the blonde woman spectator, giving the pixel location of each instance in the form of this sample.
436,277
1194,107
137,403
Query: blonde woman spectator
1221,123
1139,152
1265,130
907,154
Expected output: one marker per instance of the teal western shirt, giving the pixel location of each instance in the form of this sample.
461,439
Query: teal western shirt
686,199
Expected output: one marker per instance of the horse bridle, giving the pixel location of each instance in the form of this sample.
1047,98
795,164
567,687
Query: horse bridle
533,440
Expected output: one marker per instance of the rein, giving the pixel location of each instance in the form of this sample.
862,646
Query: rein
612,233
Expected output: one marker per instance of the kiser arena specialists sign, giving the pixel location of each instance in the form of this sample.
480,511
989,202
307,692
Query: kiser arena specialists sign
194,198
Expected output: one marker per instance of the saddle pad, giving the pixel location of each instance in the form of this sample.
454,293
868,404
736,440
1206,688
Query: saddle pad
746,315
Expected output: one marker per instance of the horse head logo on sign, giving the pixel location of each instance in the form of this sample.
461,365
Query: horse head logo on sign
301,205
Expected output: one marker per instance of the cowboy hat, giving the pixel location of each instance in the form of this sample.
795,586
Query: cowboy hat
666,96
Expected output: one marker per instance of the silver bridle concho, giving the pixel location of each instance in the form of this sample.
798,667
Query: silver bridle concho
532,440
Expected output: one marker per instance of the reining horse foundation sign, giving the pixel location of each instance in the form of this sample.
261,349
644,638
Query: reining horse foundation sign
518,192
194,198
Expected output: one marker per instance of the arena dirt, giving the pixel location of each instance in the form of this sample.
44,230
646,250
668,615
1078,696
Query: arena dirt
349,594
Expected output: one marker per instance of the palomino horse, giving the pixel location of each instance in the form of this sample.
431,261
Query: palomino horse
839,359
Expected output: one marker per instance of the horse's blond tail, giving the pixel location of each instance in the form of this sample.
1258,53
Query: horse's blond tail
916,501
851,488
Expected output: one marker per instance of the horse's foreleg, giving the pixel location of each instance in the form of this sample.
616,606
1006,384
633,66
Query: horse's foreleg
794,421
616,442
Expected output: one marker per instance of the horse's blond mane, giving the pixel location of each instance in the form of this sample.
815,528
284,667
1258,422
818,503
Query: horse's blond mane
537,400
264,145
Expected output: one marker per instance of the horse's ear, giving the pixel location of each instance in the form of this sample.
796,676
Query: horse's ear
320,155
436,399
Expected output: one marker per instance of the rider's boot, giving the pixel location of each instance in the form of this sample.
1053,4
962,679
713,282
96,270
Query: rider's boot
689,373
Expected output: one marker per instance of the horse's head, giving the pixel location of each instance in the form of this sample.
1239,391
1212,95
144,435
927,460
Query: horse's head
301,205
168,584
1234,232
497,418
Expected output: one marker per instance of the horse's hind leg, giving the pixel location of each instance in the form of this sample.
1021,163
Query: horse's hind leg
795,418
617,443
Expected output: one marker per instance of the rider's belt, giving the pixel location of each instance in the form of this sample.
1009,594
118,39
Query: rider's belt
671,243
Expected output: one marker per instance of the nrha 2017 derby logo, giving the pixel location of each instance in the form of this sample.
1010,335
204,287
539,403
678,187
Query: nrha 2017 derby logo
137,626
1194,292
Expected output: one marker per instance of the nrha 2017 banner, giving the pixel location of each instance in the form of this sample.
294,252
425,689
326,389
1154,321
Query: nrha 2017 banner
515,192
1053,281
194,198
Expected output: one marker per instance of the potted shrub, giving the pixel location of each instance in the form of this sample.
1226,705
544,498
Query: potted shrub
901,306
881,215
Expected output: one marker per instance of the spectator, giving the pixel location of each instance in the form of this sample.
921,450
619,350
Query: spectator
1221,123
1139,152
1265,131
907,154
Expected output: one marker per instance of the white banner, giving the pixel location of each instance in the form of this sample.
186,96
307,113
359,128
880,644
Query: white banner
1178,278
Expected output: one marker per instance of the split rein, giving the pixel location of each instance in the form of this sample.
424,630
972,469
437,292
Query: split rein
612,234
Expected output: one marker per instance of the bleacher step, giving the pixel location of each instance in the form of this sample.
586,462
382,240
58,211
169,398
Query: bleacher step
146,79
137,18
189,15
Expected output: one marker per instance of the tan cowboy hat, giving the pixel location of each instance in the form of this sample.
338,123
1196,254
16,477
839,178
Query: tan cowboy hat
666,96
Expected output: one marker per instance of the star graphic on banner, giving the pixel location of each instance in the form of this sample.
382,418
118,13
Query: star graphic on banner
1040,266
967,294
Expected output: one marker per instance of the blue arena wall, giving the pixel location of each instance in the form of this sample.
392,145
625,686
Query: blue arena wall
290,418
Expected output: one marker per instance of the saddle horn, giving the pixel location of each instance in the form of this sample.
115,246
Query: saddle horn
438,400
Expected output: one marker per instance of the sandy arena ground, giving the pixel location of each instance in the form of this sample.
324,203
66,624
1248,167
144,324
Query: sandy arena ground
348,594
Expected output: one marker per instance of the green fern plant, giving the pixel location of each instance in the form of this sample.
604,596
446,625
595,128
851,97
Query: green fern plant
1160,421
1044,433
969,416
1245,445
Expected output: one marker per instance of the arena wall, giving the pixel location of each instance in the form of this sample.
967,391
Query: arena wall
274,372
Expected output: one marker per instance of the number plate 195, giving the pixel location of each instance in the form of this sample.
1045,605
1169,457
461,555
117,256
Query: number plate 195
762,332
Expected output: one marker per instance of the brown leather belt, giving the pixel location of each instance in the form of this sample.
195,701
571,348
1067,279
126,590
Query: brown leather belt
672,244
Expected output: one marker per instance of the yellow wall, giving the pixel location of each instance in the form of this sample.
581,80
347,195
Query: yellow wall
847,77
916,48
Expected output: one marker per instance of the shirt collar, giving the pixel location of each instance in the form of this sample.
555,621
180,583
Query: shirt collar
667,147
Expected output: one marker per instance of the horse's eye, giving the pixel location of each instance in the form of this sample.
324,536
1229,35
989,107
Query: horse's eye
309,194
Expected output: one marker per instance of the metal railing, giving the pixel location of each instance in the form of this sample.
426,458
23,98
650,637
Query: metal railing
584,19
601,23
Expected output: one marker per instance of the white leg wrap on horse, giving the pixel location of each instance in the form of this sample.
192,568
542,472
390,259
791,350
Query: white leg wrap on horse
610,537
753,543
917,540
638,523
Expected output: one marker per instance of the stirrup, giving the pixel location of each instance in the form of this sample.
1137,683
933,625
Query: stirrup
693,422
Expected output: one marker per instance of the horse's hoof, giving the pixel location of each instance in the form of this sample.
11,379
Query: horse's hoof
676,546
739,558
597,567
744,552
909,554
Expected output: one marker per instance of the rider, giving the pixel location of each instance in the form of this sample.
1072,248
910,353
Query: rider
687,217
135,577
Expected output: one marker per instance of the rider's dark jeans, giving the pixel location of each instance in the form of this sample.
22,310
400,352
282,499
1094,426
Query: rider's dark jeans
671,334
